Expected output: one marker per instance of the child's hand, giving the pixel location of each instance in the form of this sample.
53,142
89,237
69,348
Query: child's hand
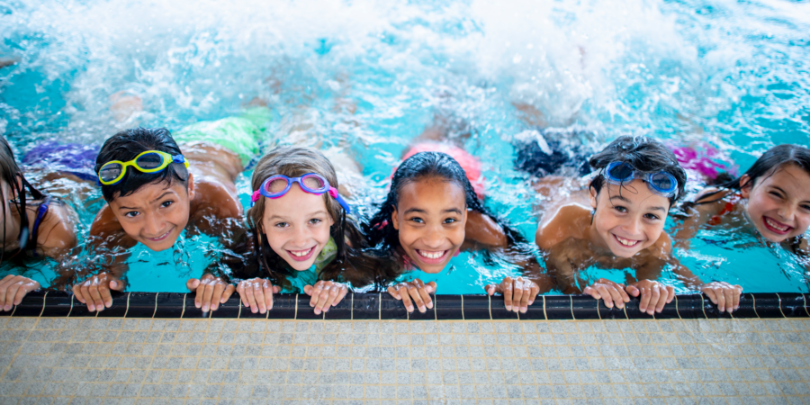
724,295
654,295
95,291
325,294
609,292
211,291
257,294
13,289
414,290
518,293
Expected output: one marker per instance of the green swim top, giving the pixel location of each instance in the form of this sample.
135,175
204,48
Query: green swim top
241,135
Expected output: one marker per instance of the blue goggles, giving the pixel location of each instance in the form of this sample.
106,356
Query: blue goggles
661,183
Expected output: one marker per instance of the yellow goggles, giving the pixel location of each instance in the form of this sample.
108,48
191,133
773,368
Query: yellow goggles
150,161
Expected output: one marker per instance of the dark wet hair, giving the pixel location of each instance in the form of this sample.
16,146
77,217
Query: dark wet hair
425,165
10,173
125,145
772,160
645,155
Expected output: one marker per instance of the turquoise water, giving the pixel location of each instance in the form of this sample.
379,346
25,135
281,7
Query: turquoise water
730,74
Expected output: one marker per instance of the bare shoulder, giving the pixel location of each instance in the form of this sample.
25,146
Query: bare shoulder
662,248
482,229
58,229
105,223
569,221
213,197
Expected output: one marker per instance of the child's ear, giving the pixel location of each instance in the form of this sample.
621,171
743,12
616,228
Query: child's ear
395,219
191,191
746,185
593,194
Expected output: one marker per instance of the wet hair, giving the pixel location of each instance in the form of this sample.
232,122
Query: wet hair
11,174
350,263
642,153
772,160
426,165
125,146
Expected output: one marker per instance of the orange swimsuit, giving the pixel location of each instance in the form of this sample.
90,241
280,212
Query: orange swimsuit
728,207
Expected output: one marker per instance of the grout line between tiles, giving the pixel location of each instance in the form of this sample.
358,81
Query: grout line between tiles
40,312
127,310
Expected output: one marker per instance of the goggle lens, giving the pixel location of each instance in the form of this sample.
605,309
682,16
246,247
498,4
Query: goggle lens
149,161
662,182
111,171
314,183
621,171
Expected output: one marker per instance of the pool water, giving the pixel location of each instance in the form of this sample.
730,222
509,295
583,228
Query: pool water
730,74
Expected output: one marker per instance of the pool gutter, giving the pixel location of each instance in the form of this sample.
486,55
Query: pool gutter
383,307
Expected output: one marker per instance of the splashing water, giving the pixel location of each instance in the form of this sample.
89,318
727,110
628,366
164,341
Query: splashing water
729,75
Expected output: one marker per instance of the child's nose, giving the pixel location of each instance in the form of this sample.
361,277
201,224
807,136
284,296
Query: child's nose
787,212
633,226
153,225
434,237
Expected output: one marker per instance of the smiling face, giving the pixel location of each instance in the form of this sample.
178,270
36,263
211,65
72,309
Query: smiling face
779,204
156,213
628,218
430,216
297,226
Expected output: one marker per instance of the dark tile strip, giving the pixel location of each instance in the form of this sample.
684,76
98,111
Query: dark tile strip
381,306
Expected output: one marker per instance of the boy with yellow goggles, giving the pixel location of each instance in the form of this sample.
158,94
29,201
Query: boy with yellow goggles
150,161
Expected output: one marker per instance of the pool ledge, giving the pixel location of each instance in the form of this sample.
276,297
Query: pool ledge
382,307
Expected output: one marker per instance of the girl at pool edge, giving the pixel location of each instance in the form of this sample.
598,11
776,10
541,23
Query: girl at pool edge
430,214
638,182
304,238
42,226
771,199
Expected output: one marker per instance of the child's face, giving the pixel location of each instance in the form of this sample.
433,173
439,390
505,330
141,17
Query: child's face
779,204
296,226
156,213
430,216
628,218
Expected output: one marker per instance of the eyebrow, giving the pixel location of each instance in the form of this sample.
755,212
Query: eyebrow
421,211
156,199
659,208
276,216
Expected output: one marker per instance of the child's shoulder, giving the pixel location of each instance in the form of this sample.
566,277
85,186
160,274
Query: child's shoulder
569,221
712,195
58,230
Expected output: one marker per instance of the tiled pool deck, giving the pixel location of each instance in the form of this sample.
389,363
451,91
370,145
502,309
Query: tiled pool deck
211,361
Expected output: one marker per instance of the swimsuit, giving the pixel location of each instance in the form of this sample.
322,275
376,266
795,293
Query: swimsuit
70,158
540,157
728,207
468,162
241,135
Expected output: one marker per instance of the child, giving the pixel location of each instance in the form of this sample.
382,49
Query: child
431,213
772,199
154,191
304,238
630,197
41,226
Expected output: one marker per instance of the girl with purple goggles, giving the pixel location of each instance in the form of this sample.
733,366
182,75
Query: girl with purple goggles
312,183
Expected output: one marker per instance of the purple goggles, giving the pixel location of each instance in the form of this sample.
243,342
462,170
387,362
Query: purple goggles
311,183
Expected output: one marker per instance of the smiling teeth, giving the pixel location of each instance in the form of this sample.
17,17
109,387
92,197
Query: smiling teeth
626,242
301,254
429,255
782,228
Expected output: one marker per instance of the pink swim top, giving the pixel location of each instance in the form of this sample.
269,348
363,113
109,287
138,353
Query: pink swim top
468,162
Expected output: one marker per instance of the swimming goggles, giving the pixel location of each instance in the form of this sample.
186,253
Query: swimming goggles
278,185
661,183
150,161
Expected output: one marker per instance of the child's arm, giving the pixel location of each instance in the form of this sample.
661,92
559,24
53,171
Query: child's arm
699,214
726,296
482,232
106,238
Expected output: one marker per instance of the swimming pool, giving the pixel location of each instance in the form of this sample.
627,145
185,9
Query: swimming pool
732,75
